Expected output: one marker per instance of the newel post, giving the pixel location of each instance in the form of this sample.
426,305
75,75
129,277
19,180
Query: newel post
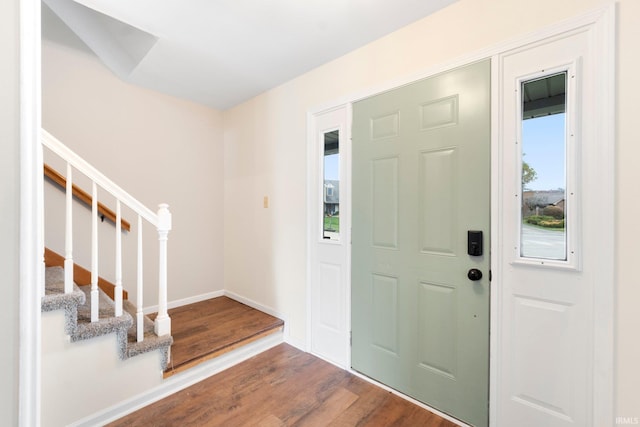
162,324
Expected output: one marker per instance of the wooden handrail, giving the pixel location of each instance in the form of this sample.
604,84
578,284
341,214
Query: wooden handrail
83,196
81,275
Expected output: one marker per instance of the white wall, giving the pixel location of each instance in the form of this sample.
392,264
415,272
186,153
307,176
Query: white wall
158,148
265,154
68,366
10,209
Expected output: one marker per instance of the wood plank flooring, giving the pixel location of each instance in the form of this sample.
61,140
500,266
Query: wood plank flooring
209,328
283,387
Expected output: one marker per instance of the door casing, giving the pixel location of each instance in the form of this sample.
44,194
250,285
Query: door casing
602,21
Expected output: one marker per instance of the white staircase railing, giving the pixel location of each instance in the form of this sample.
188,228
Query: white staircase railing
160,220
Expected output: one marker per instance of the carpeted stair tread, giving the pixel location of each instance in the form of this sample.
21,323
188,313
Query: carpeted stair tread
151,340
55,299
107,322
133,330
106,306
54,288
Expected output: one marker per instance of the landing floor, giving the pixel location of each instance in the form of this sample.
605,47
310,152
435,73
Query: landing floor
283,387
209,328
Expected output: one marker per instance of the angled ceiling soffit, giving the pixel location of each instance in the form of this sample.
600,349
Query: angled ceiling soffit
120,46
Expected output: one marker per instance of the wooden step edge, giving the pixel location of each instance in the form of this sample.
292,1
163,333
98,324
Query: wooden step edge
81,275
172,370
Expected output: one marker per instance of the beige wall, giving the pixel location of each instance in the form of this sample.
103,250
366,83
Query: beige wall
65,367
627,211
10,209
265,154
158,148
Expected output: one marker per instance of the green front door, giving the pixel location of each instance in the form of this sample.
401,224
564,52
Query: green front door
421,180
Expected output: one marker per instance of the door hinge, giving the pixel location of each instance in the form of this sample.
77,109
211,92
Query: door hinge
351,338
490,275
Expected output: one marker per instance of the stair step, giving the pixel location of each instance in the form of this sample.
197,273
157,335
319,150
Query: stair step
211,328
148,327
217,352
56,299
77,306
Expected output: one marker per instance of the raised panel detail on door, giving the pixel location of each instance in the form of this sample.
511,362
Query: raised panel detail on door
385,126
438,113
438,188
385,202
330,283
437,308
544,356
384,294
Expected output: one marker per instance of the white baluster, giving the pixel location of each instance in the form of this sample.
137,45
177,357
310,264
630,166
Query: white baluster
139,290
94,254
162,324
118,290
68,236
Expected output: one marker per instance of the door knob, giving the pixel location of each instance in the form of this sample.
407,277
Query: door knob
474,274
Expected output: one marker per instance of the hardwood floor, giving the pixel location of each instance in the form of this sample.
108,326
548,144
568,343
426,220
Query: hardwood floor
209,328
283,387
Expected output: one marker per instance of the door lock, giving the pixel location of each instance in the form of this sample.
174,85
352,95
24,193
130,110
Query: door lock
474,274
474,242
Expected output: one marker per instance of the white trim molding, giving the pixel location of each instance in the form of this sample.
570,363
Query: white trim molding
253,304
31,215
185,301
604,44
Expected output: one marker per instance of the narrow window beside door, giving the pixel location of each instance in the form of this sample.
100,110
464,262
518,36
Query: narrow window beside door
543,222
331,186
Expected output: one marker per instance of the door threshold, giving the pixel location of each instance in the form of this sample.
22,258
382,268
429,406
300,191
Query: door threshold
408,398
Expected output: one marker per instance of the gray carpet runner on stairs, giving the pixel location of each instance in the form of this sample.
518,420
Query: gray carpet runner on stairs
77,307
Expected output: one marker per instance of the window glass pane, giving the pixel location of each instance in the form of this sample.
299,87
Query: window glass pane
331,187
543,227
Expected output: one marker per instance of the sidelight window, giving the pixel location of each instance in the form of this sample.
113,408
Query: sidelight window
331,186
544,221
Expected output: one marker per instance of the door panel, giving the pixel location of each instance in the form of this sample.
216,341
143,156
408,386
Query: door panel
329,242
437,325
420,181
546,304
384,293
438,226
330,282
385,202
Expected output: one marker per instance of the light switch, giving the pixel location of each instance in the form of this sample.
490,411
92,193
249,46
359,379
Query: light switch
265,202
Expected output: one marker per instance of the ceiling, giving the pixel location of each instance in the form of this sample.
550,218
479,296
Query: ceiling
223,52
544,96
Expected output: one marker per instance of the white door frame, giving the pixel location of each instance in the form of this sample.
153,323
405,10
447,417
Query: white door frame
602,21
601,24
31,213
329,255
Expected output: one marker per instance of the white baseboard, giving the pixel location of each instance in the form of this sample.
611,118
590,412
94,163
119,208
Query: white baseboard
251,303
181,381
299,344
185,301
